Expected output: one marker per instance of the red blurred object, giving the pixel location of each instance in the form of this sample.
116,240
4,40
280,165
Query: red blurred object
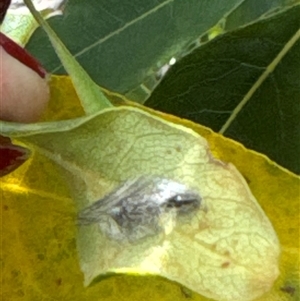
11,156
21,55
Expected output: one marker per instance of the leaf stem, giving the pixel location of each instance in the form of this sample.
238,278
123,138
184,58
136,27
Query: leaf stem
270,68
89,93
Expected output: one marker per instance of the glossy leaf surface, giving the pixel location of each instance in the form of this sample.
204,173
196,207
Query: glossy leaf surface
121,44
207,85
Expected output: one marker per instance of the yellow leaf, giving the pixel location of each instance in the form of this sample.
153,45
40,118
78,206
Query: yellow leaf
39,216
64,103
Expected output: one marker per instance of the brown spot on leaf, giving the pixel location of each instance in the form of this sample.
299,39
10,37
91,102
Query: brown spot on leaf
227,253
288,289
213,247
225,264
58,281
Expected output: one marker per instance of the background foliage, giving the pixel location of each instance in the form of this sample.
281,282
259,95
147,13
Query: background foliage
123,46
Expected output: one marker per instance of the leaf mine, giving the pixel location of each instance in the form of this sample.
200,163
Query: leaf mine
229,251
141,207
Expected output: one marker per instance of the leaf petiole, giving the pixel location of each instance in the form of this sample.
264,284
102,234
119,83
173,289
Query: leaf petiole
89,93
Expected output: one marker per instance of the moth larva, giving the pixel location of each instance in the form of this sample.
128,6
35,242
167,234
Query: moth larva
134,210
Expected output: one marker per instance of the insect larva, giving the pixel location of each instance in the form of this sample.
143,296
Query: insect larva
134,210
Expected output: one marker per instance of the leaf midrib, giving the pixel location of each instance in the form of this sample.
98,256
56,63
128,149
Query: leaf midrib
118,31
269,69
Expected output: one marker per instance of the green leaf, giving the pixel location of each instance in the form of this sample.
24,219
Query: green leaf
252,10
122,43
250,76
91,97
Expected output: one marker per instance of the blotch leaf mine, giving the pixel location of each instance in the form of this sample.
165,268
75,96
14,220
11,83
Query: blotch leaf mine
228,252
